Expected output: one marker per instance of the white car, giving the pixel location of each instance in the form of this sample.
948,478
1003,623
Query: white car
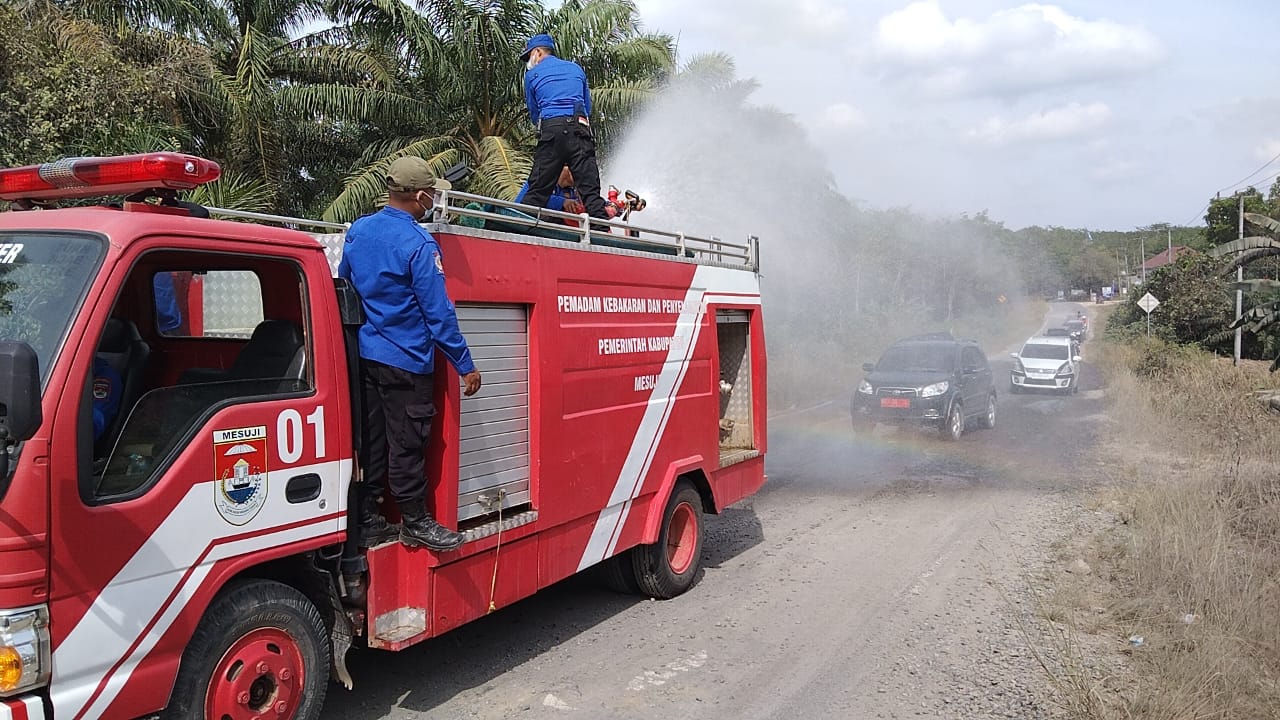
1046,362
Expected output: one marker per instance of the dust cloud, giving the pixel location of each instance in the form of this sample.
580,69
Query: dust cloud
840,282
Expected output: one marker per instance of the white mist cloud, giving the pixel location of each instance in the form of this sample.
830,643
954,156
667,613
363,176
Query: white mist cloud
840,116
1010,52
1060,123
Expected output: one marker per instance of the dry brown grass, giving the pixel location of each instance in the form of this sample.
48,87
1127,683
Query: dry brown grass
1192,561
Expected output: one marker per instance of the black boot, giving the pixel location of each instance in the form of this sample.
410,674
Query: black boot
374,528
419,529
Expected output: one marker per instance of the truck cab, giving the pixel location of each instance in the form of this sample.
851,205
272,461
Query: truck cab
180,483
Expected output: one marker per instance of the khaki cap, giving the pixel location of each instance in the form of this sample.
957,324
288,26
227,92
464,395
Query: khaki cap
411,173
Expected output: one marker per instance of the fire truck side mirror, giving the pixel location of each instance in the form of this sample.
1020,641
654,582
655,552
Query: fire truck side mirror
349,308
20,413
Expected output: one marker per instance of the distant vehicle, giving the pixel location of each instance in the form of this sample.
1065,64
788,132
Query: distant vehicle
1057,332
934,380
1077,329
1044,362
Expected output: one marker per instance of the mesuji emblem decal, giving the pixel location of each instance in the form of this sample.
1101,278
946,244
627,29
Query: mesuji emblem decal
240,473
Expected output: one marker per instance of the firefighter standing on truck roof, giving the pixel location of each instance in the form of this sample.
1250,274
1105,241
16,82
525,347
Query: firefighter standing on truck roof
563,198
560,106
395,266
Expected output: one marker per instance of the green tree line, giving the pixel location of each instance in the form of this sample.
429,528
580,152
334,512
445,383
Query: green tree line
305,102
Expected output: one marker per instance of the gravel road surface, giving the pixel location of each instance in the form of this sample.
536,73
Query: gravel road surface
872,577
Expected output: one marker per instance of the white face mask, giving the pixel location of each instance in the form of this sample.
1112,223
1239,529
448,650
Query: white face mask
528,65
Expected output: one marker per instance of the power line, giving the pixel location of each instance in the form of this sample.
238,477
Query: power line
1255,172
1264,180
1236,185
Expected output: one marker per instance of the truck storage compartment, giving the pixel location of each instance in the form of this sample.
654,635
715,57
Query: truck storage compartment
493,453
737,434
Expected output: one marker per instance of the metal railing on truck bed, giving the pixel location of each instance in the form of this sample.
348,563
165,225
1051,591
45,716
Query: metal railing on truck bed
465,213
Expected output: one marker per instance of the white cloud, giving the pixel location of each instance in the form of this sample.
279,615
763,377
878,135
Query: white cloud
840,116
1268,150
1010,52
1114,170
1058,123
760,23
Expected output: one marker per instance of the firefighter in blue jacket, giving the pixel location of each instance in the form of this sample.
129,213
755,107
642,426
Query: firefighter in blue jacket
394,264
563,198
560,106
106,395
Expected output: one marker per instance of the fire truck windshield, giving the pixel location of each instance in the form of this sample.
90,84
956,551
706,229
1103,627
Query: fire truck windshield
43,279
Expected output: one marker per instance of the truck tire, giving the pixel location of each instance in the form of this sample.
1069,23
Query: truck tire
260,650
619,575
670,566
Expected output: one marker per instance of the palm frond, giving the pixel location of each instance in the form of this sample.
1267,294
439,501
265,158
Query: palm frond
331,64
389,24
364,190
1249,256
1256,285
1258,317
141,138
1217,338
1263,221
235,191
352,102
1248,243
501,169
620,98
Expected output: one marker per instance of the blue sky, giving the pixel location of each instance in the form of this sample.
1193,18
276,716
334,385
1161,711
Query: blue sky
1107,115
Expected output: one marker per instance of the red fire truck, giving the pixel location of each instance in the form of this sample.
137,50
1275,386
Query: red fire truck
192,558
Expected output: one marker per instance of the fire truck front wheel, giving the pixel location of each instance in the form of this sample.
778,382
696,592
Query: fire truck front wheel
670,566
261,650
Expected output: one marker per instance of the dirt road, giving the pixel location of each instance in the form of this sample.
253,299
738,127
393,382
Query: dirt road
873,577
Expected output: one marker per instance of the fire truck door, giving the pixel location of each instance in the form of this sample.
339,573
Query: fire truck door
208,476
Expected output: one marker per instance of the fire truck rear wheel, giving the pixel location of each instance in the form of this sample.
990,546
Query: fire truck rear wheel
261,650
670,566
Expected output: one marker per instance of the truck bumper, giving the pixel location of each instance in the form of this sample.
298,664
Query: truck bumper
23,707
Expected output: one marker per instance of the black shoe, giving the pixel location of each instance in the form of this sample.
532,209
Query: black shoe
376,531
374,528
420,530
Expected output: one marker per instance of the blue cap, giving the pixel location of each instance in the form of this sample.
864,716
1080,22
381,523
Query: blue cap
538,41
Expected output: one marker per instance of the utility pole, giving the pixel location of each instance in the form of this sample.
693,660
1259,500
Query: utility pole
1143,250
1239,278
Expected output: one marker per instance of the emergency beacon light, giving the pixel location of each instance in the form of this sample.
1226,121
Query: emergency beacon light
94,176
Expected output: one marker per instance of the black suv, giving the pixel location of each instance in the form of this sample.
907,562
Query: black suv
928,379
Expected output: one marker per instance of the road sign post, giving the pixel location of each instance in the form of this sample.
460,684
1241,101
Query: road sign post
1148,303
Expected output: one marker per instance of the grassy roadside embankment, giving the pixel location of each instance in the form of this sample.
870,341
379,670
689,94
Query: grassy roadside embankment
1174,612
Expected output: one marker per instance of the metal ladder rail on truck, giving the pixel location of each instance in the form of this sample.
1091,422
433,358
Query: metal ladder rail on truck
193,558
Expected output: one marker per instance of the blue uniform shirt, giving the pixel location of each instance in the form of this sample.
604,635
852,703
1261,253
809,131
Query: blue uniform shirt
395,266
106,395
556,201
168,316
554,87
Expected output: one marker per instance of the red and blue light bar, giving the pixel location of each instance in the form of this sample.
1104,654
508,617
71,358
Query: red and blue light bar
94,176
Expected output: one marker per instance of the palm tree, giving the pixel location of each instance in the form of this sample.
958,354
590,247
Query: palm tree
252,91
461,58
1247,251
